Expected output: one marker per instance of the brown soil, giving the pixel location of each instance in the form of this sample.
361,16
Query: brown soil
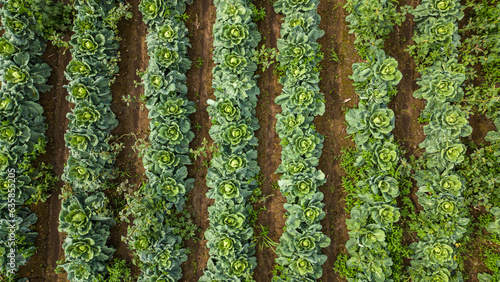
133,119
339,95
269,150
201,19
49,241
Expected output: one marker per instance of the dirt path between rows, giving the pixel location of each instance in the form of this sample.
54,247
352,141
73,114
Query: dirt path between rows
49,241
269,150
201,19
339,94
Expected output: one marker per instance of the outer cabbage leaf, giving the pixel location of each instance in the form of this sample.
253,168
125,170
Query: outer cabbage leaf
494,227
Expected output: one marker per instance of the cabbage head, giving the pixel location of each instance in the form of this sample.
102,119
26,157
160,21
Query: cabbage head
6,47
84,248
152,9
75,218
449,9
235,134
384,214
166,57
240,267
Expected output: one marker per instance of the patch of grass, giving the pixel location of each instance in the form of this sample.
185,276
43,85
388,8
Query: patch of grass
119,271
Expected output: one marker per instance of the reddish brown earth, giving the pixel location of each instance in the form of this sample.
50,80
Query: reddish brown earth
201,19
49,241
339,95
269,150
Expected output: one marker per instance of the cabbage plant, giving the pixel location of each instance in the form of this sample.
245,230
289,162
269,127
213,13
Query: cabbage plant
306,212
286,6
448,121
445,153
379,187
379,69
96,44
447,9
434,254
22,75
6,48
372,21
301,99
84,215
151,9
83,249
300,246
231,177
151,237
365,123
440,86
440,187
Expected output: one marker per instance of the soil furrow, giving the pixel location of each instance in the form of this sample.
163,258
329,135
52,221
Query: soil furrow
339,94
49,241
269,150
132,117
199,82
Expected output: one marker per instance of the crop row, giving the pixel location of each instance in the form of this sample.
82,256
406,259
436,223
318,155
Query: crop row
443,220
479,52
378,156
84,215
23,77
151,237
483,47
299,250
231,176
491,47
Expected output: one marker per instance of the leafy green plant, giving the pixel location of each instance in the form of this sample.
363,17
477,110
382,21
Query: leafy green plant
199,63
437,31
265,56
372,21
333,56
258,14
119,271
23,75
156,236
85,216
479,53
204,150
232,171
299,249
373,178
443,220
